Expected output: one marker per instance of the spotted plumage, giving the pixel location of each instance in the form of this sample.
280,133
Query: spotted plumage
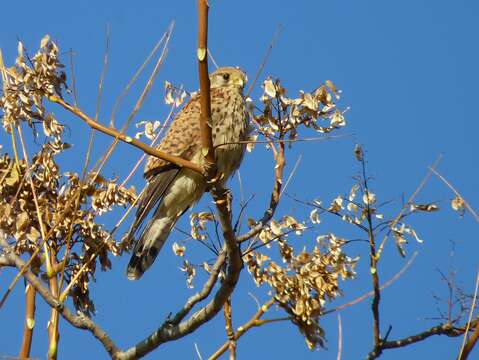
172,190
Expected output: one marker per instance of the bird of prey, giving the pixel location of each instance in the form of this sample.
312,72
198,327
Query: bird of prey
171,189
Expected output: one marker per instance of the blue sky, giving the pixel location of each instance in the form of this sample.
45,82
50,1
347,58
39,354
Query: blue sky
408,71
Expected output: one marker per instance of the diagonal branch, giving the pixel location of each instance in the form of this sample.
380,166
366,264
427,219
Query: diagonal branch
442,329
80,321
456,192
251,323
471,342
125,138
205,291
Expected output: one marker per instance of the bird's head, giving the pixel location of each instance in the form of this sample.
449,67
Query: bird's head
228,76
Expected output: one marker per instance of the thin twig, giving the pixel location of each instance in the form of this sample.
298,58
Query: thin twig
410,201
458,194
98,99
371,293
295,167
265,59
253,322
198,352
138,73
286,141
471,343
274,199
73,79
205,291
210,55
102,161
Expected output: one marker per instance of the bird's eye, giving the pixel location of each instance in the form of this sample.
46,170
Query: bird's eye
226,76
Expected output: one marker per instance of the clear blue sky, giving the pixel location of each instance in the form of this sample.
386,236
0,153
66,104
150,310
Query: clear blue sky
408,70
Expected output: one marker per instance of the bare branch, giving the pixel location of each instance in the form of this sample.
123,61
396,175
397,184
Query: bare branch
98,99
205,291
265,59
208,149
442,329
80,321
471,342
132,81
410,200
229,329
373,262
274,199
371,293
127,139
253,322
30,294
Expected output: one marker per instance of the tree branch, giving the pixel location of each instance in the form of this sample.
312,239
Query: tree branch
471,342
205,291
80,321
371,293
253,322
373,263
443,329
229,329
30,294
127,139
274,199
205,96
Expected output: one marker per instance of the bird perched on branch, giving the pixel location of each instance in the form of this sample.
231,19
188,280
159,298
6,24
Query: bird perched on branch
171,190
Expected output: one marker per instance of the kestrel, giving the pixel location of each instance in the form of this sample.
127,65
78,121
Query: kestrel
171,189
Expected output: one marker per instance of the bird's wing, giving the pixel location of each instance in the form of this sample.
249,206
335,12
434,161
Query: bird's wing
152,195
182,138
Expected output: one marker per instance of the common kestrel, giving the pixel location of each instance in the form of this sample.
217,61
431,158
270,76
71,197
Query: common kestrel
171,189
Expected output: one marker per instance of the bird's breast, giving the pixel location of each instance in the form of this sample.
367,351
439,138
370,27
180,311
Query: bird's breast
230,128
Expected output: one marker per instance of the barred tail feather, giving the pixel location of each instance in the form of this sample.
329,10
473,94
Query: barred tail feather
149,245
173,194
